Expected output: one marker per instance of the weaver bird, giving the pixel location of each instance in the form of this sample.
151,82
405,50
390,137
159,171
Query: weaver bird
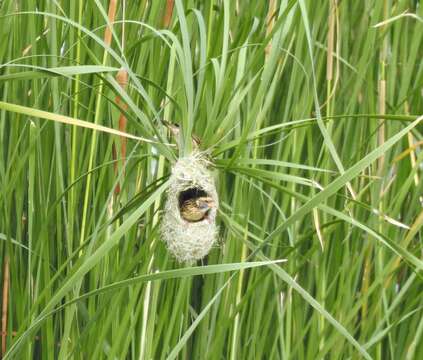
175,130
197,209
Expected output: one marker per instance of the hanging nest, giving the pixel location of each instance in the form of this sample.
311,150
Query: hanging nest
190,180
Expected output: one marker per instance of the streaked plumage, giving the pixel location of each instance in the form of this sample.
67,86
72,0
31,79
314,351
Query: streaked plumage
196,209
175,129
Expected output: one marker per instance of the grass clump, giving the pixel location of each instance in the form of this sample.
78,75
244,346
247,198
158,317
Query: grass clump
311,115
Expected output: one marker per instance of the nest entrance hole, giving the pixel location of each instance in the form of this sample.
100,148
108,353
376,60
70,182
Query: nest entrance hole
191,193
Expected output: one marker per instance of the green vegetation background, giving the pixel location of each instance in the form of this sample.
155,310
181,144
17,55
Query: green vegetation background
308,111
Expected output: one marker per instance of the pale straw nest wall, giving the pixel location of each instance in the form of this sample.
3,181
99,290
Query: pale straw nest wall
189,241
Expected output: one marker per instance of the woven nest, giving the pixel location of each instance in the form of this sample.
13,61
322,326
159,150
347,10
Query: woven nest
189,241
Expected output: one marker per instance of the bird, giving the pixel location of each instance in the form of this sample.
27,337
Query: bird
197,209
175,130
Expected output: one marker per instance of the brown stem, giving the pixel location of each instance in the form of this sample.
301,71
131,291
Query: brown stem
167,18
122,79
111,15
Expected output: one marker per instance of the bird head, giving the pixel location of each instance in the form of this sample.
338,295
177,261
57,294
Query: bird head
205,203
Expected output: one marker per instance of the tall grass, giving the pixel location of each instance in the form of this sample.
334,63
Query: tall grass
309,111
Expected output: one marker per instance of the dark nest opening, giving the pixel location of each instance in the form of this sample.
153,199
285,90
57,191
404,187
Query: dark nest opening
191,193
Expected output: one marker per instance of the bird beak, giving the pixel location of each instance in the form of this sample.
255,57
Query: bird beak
205,206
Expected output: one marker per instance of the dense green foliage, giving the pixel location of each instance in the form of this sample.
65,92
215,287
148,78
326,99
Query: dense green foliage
308,112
